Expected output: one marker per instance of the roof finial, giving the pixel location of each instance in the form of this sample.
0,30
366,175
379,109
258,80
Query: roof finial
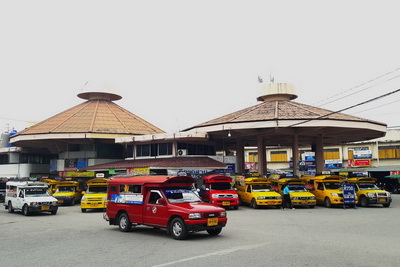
271,78
260,80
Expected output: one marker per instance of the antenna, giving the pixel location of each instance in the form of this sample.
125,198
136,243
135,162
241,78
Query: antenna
271,78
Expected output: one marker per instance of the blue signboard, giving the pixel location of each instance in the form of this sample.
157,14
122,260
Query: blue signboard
349,194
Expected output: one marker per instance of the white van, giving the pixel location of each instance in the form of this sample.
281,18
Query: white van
29,197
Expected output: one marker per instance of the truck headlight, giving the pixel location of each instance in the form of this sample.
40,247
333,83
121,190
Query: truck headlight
222,214
335,194
295,198
194,216
235,195
84,198
214,196
371,195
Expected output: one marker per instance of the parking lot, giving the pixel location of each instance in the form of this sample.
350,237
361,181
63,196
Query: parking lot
263,237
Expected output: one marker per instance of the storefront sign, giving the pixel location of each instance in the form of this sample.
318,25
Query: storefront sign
79,174
359,162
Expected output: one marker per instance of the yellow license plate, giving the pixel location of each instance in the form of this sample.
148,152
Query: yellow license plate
60,201
381,199
212,221
44,207
226,203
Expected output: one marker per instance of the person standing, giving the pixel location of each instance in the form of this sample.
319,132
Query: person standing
287,202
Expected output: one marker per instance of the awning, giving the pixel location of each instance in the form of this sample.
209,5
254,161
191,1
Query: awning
161,163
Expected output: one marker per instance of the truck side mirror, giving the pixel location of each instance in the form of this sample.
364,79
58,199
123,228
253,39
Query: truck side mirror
161,201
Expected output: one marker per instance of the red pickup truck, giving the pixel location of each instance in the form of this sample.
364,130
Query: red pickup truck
218,190
168,202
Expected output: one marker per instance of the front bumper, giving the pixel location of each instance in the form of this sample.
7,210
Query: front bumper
201,225
42,208
304,202
93,204
225,202
379,200
269,202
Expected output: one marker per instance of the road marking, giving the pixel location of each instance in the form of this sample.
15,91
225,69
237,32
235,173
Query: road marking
216,253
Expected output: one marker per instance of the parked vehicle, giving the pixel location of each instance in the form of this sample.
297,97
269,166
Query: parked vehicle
327,189
218,190
369,193
257,192
167,202
68,192
29,197
299,195
3,182
52,184
95,196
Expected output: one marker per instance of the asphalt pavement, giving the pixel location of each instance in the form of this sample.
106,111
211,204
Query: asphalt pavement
263,237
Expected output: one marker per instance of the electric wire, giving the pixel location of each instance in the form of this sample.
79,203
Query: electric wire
353,106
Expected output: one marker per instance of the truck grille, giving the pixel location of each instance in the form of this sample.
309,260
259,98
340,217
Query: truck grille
225,196
211,215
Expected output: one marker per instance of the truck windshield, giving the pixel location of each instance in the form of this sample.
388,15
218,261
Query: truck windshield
261,188
368,187
181,196
221,186
297,188
36,192
96,189
65,189
332,185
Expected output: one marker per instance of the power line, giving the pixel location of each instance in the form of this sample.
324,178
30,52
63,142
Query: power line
365,83
356,105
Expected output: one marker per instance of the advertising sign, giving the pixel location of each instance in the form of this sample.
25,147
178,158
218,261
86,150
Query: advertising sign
349,194
359,162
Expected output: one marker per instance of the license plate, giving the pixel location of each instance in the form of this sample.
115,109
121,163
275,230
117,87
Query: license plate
382,199
44,207
93,204
212,221
60,201
226,203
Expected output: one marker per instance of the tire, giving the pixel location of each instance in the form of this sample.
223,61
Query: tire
235,207
311,206
254,204
83,210
124,223
214,231
53,212
363,201
327,202
178,229
10,207
25,210
72,202
386,205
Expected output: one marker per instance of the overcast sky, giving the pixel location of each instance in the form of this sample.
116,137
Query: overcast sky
180,63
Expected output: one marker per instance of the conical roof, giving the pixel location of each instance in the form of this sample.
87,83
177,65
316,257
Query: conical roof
94,116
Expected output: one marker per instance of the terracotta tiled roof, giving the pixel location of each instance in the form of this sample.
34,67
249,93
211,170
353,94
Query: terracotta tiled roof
174,162
94,116
280,110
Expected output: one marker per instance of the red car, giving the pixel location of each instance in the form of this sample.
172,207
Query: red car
167,202
218,190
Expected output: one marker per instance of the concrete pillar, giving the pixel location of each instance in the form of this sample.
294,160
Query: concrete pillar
262,159
295,156
240,156
319,154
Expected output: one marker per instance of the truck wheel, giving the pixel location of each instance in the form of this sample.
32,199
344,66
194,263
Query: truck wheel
53,212
328,203
124,223
363,201
83,210
10,207
254,204
178,229
386,205
214,231
25,210
235,207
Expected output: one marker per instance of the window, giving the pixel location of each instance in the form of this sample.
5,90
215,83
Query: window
253,157
331,153
277,156
153,150
389,152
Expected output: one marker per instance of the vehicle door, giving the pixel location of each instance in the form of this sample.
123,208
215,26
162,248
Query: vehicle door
20,199
319,192
155,213
247,194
